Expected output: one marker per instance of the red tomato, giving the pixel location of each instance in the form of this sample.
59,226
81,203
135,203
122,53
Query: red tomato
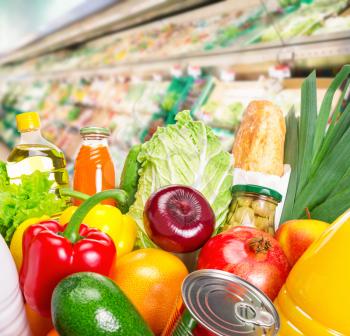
249,253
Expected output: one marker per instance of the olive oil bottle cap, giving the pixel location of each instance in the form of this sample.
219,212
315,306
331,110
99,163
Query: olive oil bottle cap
28,121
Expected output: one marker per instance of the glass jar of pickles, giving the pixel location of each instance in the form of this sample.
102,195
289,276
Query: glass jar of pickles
253,206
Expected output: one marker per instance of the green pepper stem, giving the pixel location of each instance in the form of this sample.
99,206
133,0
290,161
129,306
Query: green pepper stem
72,230
73,193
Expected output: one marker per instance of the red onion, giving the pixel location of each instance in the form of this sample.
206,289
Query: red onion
178,219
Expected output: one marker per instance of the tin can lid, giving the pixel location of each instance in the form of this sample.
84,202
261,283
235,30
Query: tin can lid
227,305
257,190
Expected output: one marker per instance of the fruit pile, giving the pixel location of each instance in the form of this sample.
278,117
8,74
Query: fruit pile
101,269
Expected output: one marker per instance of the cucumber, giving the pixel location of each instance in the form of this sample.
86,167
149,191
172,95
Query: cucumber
130,176
89,304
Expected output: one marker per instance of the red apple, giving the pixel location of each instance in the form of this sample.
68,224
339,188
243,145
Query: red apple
249,253
295,236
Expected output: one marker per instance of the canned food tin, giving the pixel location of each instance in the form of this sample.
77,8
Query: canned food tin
219,303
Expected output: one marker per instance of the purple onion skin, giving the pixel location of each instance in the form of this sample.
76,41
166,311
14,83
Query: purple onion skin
178,219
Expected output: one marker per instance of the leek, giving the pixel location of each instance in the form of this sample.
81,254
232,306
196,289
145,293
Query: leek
319,155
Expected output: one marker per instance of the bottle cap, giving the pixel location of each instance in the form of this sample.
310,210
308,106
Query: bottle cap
28,121
94,130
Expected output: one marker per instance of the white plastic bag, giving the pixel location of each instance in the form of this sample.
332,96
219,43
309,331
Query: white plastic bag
13,319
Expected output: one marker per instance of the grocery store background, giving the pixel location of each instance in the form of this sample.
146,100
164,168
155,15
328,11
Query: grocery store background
132,65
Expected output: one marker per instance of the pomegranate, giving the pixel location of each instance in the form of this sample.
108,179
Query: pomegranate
250,254
178,219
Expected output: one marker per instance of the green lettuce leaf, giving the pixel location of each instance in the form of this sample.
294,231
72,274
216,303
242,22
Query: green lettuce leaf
185,153
31,198
4,180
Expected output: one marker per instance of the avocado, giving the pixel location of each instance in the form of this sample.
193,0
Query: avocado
89,304
130,176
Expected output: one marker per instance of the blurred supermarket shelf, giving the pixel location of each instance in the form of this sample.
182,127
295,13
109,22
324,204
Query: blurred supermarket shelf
328,50
249,37
120,16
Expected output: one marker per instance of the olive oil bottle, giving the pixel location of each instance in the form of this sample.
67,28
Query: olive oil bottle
35,153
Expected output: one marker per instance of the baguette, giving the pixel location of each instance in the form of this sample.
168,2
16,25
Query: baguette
259,142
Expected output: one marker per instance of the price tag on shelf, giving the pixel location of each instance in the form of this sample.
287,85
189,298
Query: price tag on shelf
136,79
227,75
121,78
157,77
194,71
280,71
176,71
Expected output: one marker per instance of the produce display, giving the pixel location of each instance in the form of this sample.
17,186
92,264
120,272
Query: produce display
64,108
224,106
185,153
71,249
134,266
201,31
306,20
133,105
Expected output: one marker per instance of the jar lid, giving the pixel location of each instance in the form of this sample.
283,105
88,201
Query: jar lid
257,190
94,130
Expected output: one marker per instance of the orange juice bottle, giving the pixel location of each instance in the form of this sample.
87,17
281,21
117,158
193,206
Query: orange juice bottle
94,169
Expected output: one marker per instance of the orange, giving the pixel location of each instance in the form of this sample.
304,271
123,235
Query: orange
151,279
38,325
53,332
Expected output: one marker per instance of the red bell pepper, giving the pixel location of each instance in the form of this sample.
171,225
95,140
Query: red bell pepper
52,252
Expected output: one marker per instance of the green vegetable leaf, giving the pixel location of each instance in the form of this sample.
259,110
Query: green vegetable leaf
4,180
327,177
186,153
308,119
333,135
31,198
323,187
326,107
291,158
338,108
332,207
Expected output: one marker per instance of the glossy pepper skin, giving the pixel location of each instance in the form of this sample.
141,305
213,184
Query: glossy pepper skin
51,252
121,228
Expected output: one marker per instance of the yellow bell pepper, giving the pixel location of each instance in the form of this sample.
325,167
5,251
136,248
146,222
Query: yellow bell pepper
315,298
67,214
121,228
16,241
